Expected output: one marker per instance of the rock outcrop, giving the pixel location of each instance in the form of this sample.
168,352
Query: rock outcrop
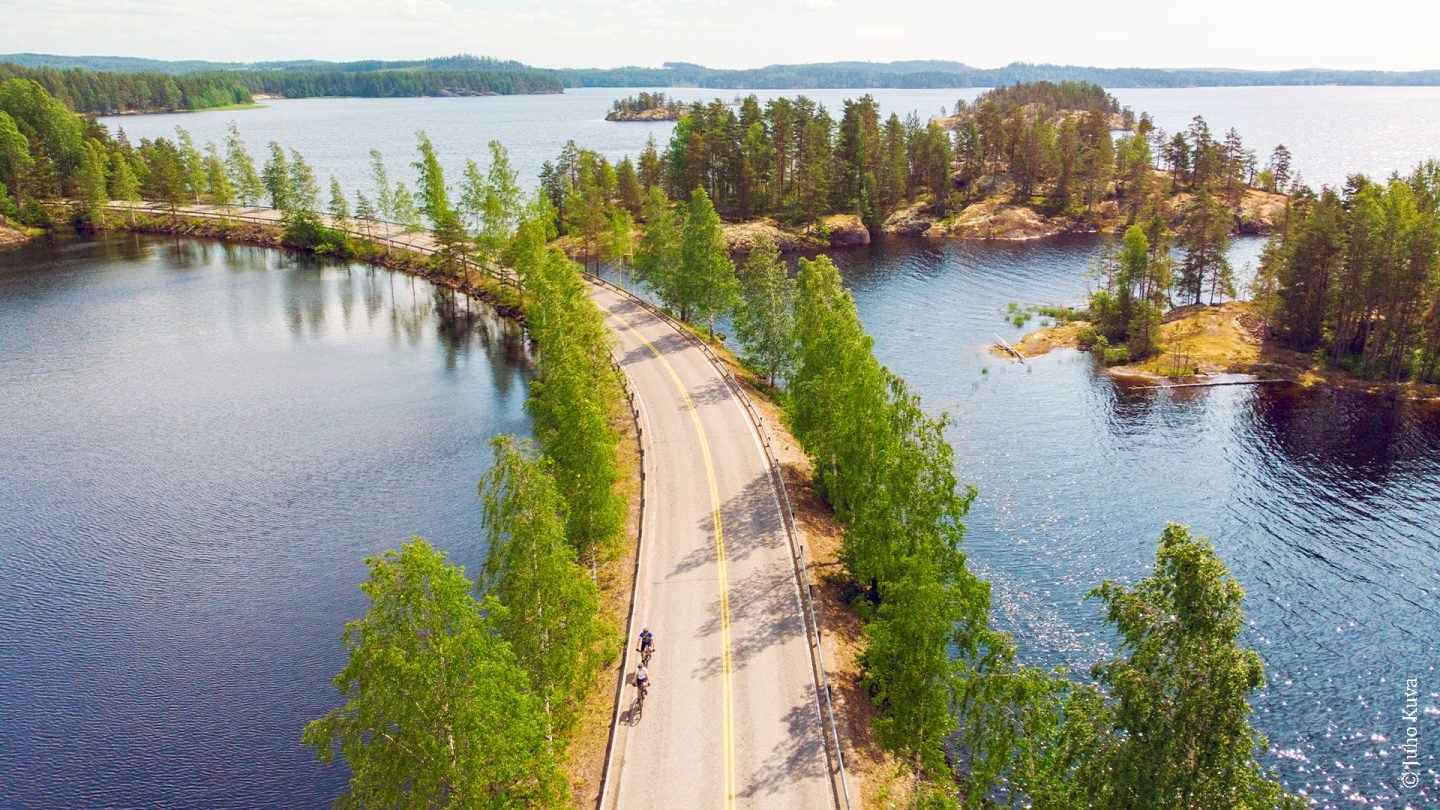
846,230
741,237
652,114
989,220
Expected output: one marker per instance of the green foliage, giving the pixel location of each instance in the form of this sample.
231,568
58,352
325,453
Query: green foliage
551,607
339,207
240,167
1357,275
15,158
1182,733
432,712
657,260
1086,337
303,230
304,188
765,319
573,398
890,475
432,197
707,282
1205,237
276,178
91,184
1117,355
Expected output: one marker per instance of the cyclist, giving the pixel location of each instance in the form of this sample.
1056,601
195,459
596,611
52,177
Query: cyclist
642,680
647,642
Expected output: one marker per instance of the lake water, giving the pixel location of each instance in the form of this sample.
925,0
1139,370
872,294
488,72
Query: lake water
1331,131
130,366
199,445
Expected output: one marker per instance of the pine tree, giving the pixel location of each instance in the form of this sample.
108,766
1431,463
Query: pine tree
1205,236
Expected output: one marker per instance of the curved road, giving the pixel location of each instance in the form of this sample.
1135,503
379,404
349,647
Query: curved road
733,718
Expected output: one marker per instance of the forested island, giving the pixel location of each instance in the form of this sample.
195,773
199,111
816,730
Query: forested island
647,107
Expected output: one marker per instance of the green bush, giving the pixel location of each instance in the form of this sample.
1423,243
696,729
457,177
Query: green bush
1087,337
1117,356
35,215
304,231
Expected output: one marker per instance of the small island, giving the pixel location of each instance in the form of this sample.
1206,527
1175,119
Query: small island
647,107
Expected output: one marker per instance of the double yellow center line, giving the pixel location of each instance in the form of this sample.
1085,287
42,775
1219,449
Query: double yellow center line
727,695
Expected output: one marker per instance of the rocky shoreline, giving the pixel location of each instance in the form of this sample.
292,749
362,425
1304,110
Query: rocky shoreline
653,114
1213,344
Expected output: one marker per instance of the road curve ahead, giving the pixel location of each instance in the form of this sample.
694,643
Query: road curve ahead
732,718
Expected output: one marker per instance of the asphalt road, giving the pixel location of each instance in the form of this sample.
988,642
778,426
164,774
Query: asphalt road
731,719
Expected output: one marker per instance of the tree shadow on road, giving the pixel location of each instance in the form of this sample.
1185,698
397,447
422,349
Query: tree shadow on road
672,343
750,522
764,605
764,612
799,758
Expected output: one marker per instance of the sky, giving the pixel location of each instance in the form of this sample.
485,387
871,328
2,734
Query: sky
1256,34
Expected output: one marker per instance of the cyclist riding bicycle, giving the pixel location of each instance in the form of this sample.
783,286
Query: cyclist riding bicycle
647,641
642,679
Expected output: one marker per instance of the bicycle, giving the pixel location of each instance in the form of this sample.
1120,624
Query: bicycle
635,711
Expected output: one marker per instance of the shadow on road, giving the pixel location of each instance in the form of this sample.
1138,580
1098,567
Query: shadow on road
799,758
750,523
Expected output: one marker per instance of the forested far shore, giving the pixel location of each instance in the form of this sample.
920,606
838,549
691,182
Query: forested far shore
113,93
920,73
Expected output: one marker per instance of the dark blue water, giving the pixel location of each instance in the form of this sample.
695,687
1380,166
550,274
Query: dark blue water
1324,504
199,444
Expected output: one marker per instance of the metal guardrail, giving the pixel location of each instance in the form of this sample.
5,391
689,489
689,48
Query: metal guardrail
802,571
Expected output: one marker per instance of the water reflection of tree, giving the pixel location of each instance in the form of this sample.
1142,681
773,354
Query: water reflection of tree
463,323
304,291
1346,434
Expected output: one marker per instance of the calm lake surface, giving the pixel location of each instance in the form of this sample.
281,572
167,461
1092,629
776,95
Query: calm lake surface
199,444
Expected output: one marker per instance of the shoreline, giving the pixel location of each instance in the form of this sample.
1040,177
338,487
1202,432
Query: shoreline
1217,343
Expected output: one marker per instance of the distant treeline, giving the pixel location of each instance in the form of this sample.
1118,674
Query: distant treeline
100,93
920,74
911,74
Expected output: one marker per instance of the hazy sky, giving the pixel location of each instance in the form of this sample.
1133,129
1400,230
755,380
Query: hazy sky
1382,34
